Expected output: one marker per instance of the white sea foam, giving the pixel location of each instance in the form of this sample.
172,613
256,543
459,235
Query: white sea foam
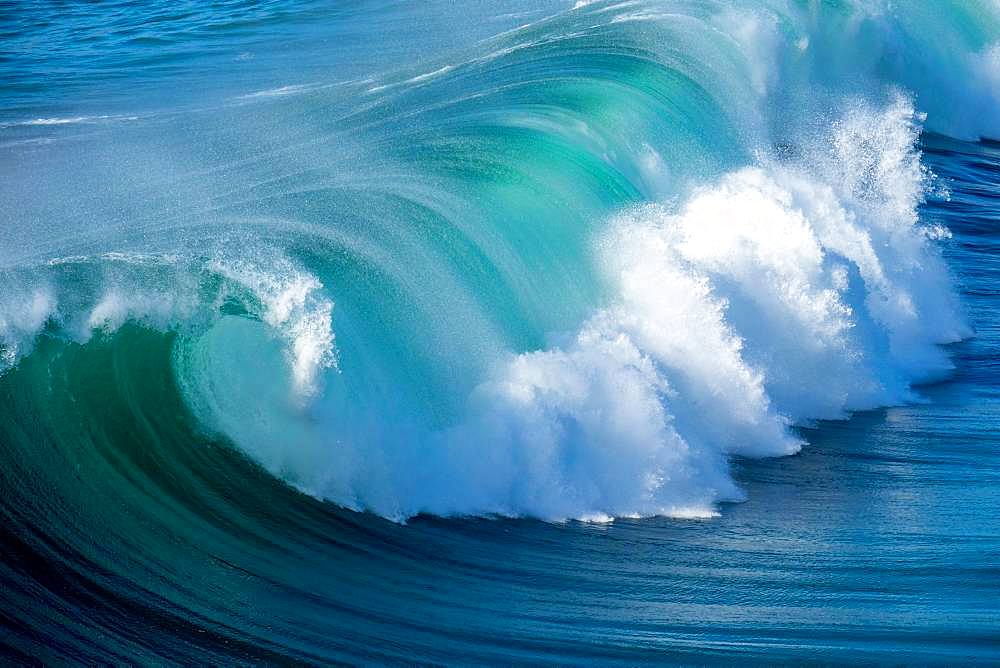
23,313
430,75
281,91
116,306
780,294
293,305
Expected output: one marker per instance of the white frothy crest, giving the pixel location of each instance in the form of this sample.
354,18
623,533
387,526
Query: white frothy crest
104,292
22,316
730,310
293,305
156,309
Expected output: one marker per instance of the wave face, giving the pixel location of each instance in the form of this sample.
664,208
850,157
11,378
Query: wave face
564,271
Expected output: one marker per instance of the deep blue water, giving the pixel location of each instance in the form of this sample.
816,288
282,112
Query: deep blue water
520,333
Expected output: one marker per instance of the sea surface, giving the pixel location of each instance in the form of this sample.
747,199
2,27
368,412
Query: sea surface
614,332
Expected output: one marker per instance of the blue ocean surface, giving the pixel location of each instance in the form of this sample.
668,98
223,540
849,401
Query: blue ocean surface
614,332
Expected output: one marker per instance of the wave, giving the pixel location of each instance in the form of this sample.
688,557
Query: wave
567,273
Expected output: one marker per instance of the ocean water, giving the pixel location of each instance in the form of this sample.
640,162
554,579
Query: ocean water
615,332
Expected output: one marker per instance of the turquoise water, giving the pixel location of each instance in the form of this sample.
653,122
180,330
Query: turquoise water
617,332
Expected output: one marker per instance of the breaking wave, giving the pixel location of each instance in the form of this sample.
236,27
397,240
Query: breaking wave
567,272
